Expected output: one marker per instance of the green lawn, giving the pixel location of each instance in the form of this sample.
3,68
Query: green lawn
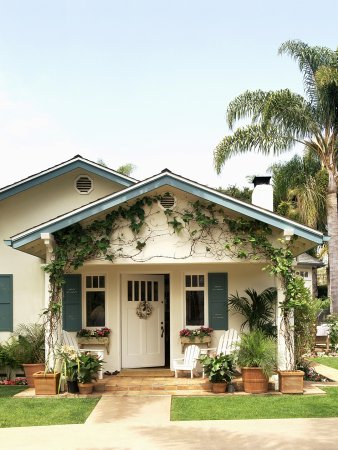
22,412
9,391
255,406
331,361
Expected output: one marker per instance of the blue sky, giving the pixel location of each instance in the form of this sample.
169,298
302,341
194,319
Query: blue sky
146,82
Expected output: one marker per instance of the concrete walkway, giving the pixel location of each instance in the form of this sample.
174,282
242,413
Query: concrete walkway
143,423
137,423
327,372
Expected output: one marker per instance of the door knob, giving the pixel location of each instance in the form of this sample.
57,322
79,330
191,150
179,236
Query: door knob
162,331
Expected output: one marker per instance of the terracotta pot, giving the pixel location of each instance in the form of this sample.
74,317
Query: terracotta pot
86,388
30,369
255,382
291,381
218,388
46,383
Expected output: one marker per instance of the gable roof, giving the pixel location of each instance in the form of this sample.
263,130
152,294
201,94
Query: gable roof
78,162
309,261
166,179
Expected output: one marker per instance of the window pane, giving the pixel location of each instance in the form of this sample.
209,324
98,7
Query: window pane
194,281
188,281
155,291
101,282
88,282
95,307
143,290
201,280
95,282
136,291
149,291
130,291
194,308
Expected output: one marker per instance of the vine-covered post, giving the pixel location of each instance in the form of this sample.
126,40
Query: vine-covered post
285,335
51,326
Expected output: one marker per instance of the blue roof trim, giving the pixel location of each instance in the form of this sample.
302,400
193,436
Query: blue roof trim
167,179
53,173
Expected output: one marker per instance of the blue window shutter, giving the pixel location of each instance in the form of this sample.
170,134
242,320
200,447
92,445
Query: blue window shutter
72,303
218,300
6,302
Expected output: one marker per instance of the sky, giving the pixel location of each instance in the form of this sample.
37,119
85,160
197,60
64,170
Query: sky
145,82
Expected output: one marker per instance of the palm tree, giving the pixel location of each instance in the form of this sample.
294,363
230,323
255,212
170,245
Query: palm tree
257,309
280,119
299,190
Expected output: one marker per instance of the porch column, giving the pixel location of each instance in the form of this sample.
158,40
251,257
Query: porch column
48,240
285,349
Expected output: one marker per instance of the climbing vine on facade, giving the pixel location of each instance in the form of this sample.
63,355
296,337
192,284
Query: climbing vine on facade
204,227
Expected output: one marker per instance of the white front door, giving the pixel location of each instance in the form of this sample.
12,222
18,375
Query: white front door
142,339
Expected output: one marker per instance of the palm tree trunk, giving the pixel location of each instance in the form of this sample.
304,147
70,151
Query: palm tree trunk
332,223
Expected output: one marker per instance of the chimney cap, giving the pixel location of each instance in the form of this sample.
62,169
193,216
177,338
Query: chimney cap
261,179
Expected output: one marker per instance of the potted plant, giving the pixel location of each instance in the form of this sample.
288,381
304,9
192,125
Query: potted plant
47,381
257,357
88,366
31,349
69,367
220,370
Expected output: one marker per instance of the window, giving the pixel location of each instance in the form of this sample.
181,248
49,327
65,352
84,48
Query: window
303,274
95,301
195,300
6,302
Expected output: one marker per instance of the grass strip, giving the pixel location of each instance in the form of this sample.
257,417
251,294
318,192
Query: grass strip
26,412
9,391
255,407
330,361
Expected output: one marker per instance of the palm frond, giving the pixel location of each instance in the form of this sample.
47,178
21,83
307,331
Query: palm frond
251,137
250,104
257,309
309,60
290,113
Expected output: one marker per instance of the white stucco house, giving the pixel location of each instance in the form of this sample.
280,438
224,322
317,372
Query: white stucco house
187,288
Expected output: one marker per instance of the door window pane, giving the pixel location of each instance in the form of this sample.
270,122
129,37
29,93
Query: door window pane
136,291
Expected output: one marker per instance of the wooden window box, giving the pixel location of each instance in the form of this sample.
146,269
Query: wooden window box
195,340
94,340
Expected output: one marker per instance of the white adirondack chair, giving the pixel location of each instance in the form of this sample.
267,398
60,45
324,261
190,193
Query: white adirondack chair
70,340
191,355
227,344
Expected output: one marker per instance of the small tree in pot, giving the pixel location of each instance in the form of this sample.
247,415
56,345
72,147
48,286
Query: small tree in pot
220,370
257,356
88,366
31,349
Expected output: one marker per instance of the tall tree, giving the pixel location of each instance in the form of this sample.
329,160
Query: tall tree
299,190
280,119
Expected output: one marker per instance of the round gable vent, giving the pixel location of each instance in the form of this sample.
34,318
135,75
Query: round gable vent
83,184
167,201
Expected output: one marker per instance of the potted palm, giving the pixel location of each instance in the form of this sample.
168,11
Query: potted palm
31,349
220,370
88,366
257,357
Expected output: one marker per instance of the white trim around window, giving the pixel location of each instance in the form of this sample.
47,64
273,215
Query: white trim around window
94,297
195,282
